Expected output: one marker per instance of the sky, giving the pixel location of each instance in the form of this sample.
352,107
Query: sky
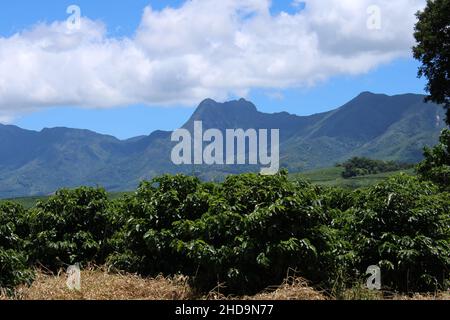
127,68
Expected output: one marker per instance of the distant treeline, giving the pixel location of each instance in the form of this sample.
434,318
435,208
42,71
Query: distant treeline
360,166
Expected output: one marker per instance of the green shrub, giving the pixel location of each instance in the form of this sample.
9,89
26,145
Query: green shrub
70,227
402,225
246,232
144,221
13,258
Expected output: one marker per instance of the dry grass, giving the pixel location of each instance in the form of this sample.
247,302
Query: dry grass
293,288
437,296
100,285
361,293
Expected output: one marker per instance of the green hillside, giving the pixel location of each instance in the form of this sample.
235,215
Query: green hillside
375,126
327,176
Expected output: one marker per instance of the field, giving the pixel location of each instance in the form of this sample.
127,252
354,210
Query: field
327,176
333,177
27,202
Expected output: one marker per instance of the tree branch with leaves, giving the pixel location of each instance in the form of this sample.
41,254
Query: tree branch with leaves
432,33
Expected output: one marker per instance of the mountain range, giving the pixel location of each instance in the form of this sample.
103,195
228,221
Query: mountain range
372,125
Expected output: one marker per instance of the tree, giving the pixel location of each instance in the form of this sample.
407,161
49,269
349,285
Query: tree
432,33
436,165
364,166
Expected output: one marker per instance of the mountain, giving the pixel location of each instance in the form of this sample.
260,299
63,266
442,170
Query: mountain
373,125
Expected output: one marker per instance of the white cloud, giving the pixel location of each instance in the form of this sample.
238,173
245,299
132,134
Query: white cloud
205,48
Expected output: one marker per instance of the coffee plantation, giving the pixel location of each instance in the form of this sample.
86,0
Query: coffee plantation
244,233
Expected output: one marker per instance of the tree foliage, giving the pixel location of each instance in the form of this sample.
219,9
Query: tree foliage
436,165
364,166
432,34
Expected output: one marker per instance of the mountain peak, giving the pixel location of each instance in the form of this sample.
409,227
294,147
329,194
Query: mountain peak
241,102
209,106
207,101
367,95
216,114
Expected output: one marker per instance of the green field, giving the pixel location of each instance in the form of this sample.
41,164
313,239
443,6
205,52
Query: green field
333,177
327,176
29,202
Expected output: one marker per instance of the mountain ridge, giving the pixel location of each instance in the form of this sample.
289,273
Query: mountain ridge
374,125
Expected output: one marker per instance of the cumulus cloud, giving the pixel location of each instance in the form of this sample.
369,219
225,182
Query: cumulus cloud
205,48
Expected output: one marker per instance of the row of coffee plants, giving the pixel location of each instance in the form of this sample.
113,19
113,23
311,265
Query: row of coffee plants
244,233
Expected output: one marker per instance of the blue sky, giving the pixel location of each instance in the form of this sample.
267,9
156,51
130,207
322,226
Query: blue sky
122,18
